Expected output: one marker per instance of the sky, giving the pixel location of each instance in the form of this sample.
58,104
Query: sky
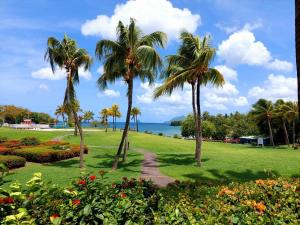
254,41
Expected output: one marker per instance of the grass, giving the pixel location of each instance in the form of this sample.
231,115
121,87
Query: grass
221,161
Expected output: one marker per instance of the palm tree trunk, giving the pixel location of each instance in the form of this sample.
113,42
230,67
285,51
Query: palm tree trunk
286,135
75,128
297,40
78,125
199,127
195,119
270,133
294,133
125,148
137,124
125,131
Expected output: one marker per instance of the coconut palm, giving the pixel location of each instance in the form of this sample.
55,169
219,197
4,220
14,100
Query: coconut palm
263,111
115,113
191,65
130,56
105,113
135,111
297,40
88,115
67,56
291,113
280,113
60,111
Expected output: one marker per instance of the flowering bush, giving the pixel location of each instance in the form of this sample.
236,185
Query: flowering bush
30,141
91,201
12,161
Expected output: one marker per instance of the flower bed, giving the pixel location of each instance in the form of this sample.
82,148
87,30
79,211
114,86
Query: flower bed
90,201
12,161
32,150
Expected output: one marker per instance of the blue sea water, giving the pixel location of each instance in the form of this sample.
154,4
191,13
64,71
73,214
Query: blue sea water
155,128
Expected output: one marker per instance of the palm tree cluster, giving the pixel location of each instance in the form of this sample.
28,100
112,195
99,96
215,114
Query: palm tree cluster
265,111
113,112
135,112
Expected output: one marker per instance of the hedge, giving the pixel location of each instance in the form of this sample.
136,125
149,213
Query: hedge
12,161
89,200
43,154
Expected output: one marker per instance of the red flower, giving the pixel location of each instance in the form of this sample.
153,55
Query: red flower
92,178
6,200
76,202
55,216
82,182
123,195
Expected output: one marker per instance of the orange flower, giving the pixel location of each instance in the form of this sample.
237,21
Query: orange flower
92,178
76,202
226,191
260,207
123,195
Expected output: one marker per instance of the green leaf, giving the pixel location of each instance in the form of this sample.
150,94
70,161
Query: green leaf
87,210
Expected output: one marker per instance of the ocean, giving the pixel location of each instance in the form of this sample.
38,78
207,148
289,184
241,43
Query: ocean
155,128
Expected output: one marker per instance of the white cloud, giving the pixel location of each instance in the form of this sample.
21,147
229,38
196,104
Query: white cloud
47,74
44,87
247,26
280,65
109,93
276,87
151,16
228,73
242,48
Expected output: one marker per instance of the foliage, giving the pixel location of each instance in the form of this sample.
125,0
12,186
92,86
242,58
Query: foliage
188,127
176,136
90,201
30,141
175,123
11,161
3,139
3,172
88,115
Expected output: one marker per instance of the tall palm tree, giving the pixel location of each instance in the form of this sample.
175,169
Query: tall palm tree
280,113
262,111
104,117
115,112
297,40
67,56
291,113
135,111
88,115
130,56
191,65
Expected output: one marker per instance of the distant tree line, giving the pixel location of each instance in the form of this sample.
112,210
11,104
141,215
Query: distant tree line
175,123
14,115
278,121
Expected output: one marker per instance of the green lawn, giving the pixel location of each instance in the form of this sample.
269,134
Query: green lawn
220,161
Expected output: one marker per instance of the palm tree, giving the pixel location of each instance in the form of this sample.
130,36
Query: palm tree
263,111
104,117
297,40
191,65
280,113
66,55
115,113
291,113
88,115
135,111
130,56
60,111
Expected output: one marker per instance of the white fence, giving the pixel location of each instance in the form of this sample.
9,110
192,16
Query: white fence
29,126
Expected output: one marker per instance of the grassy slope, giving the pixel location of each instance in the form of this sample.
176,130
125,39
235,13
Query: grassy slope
220,161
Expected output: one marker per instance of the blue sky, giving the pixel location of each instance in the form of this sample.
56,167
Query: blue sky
254,40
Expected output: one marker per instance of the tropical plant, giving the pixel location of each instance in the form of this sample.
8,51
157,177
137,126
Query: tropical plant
135,112
280,113
115,113
290,110
88,115
191,65
297,40
263,111
105,113
60,111
67,56
130,56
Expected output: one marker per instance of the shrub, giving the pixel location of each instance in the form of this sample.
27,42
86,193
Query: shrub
89,200
176,136
12,161
3,139
5,151
12,144
160,134
30,141
42,154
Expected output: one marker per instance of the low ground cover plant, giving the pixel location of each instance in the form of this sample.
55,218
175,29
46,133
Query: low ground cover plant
12,161
30,141
89,200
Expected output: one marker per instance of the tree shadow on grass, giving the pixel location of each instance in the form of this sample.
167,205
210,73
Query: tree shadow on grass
230,175
177,159
280,147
